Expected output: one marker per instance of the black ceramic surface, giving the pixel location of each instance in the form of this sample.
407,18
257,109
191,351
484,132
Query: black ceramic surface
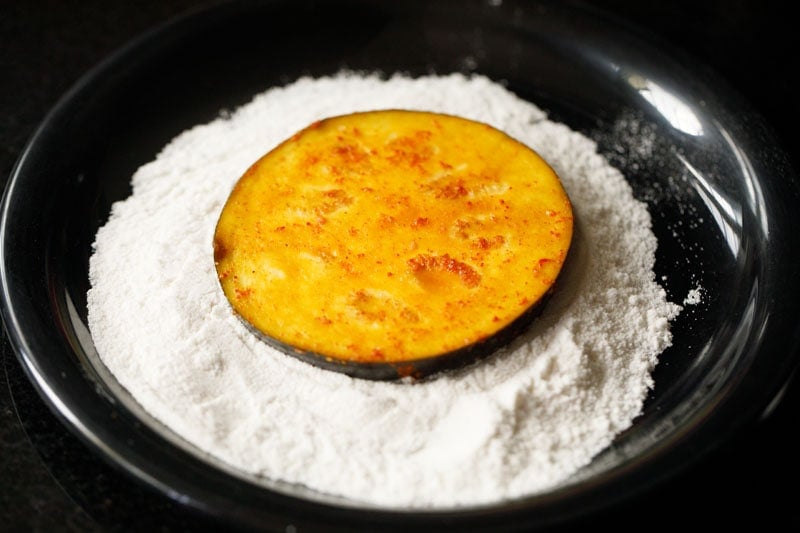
721,195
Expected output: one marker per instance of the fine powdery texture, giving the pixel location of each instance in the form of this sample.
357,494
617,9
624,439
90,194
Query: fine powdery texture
517,423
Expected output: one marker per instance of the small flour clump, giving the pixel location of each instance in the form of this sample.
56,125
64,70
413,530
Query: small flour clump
694,296
517,423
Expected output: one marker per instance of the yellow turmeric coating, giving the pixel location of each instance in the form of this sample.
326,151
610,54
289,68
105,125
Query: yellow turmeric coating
390,236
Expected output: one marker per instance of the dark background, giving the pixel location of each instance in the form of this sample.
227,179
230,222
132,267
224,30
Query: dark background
49,481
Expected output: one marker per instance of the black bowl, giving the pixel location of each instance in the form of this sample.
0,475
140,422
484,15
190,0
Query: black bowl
720,191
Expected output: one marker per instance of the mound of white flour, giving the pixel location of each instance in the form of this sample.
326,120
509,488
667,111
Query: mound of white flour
514,424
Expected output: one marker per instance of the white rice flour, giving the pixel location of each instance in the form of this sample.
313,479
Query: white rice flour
514,424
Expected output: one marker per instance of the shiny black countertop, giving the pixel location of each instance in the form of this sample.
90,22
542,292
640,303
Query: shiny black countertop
50,481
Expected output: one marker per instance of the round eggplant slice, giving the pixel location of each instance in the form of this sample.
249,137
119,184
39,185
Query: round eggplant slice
393,243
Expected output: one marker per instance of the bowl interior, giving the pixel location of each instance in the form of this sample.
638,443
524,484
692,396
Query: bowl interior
715,183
